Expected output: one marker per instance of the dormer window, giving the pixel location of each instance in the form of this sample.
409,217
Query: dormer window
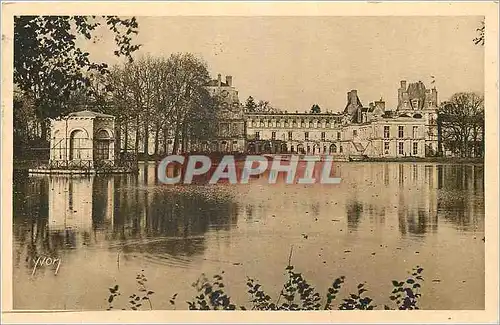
415,103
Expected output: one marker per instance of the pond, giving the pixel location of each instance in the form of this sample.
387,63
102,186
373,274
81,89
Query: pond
382,220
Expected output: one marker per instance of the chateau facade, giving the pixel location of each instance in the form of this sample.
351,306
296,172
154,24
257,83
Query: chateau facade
358,131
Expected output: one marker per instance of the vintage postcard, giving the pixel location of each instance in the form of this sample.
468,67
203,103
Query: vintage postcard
165,158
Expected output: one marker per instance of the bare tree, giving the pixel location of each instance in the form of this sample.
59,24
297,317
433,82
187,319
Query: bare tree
462,122
164,97
187,77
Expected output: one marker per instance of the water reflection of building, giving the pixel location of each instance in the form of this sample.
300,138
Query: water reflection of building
75,202
408,189
127,212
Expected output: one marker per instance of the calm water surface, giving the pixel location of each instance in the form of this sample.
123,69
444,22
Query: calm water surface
382,220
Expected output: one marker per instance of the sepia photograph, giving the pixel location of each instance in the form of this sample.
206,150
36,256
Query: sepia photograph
248,162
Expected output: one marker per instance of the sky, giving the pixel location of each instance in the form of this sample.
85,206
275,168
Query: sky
295,62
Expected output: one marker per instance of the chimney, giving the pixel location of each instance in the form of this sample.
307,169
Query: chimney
219,77
434,96
229,80
353,97
403,84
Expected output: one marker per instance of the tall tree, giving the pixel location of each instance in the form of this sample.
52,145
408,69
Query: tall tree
49,66
187,77
136,88
462,124
164,97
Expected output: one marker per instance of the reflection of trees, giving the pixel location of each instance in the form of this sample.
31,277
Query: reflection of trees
461,177
185,214
354,209
460,197
177,217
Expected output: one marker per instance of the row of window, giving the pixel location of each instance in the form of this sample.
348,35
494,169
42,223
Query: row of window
387,133
401,148
290,135
286,124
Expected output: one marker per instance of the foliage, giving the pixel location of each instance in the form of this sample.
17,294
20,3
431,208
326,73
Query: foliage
405,294
479,40
49,65
250,104
23,114
296,294
211,295
263,106
357,300
136,301
315,109
166,96
462,122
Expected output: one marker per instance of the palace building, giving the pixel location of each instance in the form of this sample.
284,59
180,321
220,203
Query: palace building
231,128
358,131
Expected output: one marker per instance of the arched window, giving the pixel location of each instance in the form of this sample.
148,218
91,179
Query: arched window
101,146
77,144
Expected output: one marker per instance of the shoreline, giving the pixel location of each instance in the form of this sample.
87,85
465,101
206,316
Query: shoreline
27,164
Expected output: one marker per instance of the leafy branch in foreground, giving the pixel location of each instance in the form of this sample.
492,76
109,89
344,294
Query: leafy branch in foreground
211,295
136,301
296,294
406,293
